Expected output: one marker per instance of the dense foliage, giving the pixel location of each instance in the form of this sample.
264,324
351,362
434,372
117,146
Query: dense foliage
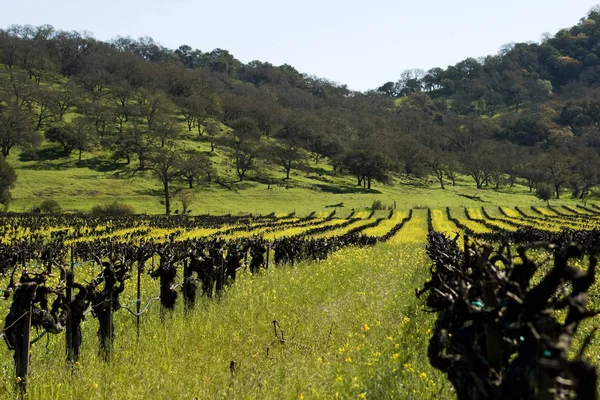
533,103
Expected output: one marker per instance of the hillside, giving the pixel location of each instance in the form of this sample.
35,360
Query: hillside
81,185
86,122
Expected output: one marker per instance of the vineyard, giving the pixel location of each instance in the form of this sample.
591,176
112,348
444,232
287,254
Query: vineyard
302,306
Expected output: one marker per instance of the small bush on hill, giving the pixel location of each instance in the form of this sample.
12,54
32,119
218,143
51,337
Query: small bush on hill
113,209
377,205
50,206
544,192
29,155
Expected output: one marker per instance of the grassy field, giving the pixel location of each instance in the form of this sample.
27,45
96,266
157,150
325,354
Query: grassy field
348,327
79,185
352,327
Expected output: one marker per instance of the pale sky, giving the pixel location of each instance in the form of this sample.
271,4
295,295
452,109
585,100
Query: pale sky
362,44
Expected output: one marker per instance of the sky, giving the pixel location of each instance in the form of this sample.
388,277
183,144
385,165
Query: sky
362,44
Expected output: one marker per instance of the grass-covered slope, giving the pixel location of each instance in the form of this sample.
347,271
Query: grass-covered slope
97,179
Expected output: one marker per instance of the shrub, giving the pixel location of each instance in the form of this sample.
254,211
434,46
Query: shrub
544,192
50,206
377,205
186,197
29,155
113,209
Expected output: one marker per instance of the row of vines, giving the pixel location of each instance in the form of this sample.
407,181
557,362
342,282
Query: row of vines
486,287
60,270
515,294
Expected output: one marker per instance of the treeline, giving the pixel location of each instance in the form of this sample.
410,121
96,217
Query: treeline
565,64
528,113
537,101
132,97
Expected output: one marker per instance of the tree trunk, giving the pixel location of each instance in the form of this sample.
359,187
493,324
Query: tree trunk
39,121
167,197
239,170
440,176
478,181
557,190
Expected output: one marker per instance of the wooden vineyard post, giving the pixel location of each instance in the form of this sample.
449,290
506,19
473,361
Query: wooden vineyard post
186,300
69,325
70,278
139,294
493,336
268,254
109,343
220,275
22,351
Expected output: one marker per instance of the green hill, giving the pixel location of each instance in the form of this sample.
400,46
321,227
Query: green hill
87,122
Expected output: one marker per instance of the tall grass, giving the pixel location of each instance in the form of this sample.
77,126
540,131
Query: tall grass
352,328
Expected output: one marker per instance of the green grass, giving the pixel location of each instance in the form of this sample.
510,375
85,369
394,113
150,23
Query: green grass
97,180
352,328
